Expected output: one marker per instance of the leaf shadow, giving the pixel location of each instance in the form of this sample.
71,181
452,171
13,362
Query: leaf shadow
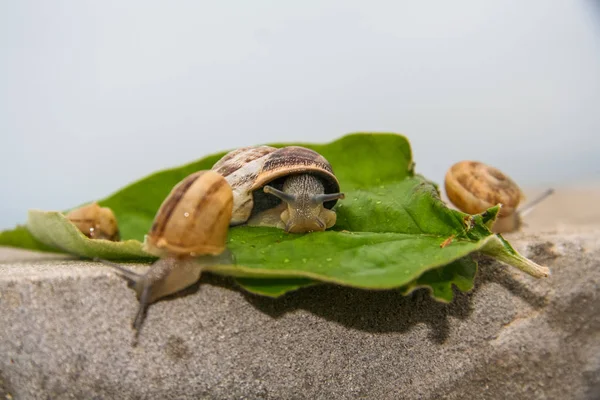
370,311
388,310
384,311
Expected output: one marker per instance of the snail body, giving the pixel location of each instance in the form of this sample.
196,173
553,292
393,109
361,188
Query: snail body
188,233
95,222
473,187
291,188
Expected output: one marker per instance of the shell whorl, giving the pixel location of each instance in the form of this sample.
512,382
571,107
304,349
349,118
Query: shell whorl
240,168
474,187
294,160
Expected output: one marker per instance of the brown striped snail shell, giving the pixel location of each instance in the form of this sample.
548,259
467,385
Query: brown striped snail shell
95,222
292,188
473,187
188,233
240,168
194,218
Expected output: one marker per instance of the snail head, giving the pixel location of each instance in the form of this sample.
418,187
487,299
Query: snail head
304,196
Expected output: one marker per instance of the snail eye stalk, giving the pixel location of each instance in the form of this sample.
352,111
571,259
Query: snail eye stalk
323,198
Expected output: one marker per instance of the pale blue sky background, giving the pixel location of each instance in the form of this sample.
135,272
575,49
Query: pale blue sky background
96,94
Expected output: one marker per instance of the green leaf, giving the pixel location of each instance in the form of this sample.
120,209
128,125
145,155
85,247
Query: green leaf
20,237
393,231
274,287
369,260
439,281
501,250
54,229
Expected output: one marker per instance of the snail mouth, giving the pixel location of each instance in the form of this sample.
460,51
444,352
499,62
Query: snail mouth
304,226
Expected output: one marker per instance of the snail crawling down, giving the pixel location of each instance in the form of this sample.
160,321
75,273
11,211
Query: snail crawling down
189,232
291,188
473,187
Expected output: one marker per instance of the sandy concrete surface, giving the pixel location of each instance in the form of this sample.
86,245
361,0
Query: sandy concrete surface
65,331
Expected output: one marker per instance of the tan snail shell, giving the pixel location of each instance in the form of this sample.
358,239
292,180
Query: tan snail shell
188,233
95,222
192,219
292,188
473,187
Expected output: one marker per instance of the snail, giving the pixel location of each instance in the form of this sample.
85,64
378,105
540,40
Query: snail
95,222
473,187
291,188
189,232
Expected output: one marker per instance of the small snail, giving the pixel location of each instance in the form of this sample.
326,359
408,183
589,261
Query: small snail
291,188
474,187
189,232
95,222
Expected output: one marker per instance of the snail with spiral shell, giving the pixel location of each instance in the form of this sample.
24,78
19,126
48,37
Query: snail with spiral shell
291,188
95,222
473,187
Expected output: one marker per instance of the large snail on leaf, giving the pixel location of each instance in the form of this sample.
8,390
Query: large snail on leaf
473,187
292,188
189,232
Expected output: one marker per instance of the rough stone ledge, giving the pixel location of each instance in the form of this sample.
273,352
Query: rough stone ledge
66,333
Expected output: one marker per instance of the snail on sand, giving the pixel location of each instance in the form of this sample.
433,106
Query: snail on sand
189,232
473,187
291,188
95,222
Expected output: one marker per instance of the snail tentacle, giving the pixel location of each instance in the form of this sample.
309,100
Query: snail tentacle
322,198
529,207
